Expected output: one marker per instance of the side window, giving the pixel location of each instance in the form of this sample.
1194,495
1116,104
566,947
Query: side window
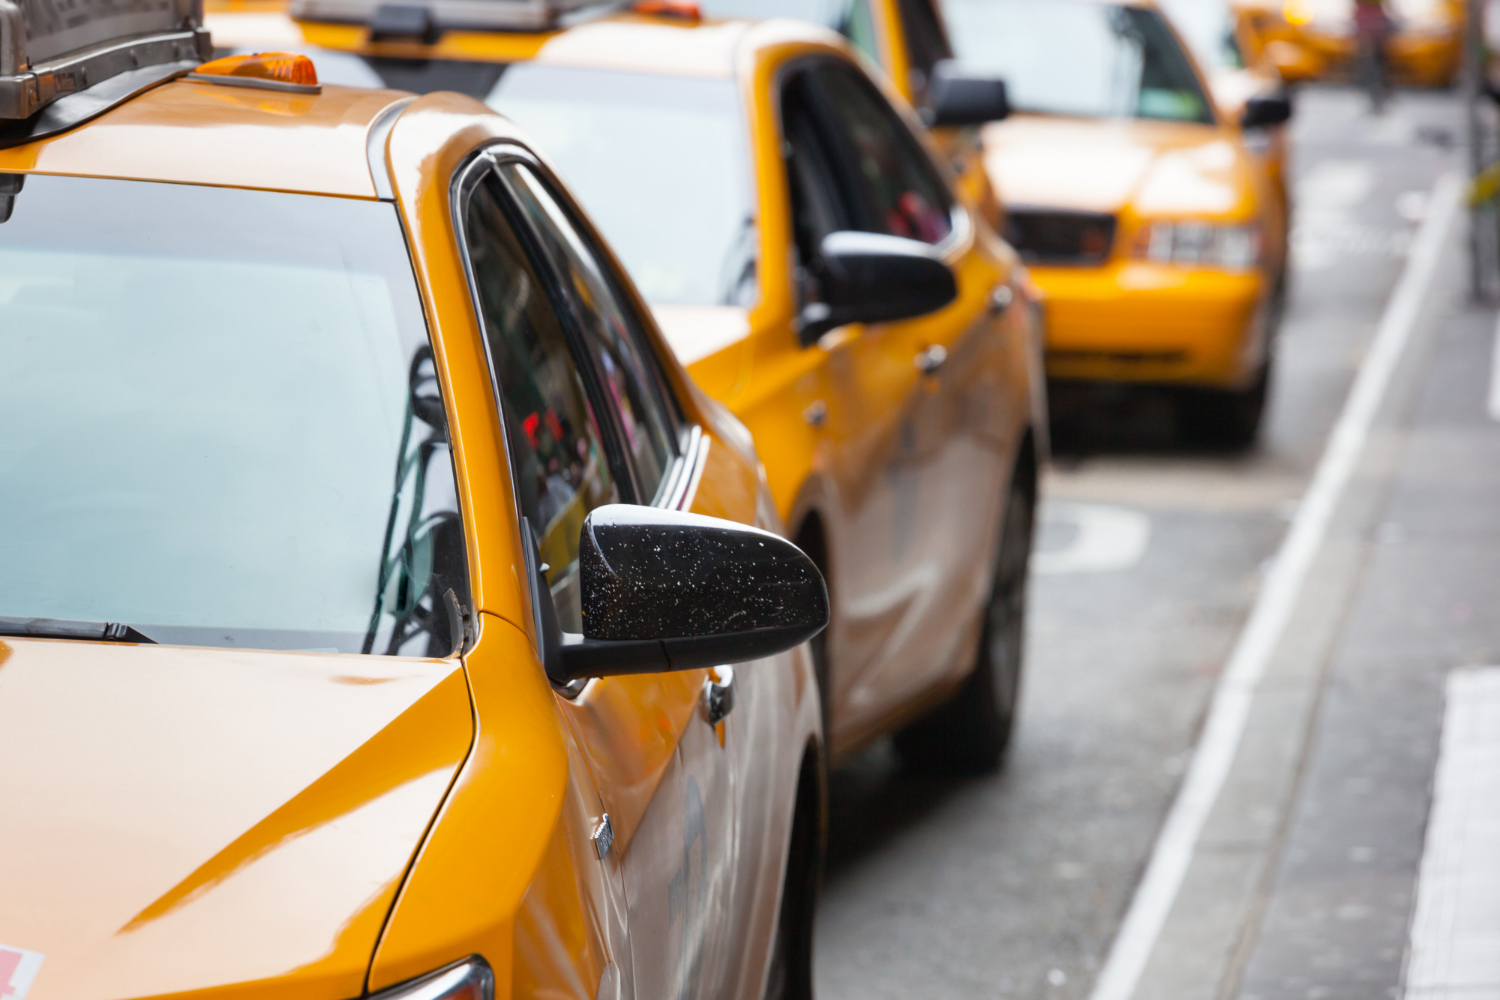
859,28
557,452
629,379
820,203
907,197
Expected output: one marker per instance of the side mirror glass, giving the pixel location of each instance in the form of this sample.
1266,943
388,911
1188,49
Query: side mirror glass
1264,111
663,590
959,98
873,278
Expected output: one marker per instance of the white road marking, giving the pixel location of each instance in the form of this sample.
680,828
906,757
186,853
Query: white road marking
1492,404
1455,934
1236,688
1106,539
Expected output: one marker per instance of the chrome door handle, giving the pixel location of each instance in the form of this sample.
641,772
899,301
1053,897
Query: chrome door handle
930,360
1000,299
718,694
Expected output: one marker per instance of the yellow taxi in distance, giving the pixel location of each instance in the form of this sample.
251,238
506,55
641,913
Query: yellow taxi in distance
742,170
1314,39
372,566
1152,232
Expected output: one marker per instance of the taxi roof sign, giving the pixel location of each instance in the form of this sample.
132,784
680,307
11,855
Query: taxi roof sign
50,49
439,15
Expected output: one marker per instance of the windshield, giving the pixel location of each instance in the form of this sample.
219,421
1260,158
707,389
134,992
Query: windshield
1079,57
222,420
1208,28
661,163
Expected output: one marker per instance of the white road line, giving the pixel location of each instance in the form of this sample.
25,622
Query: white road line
1107,539
1455,934
1273,608
1493,403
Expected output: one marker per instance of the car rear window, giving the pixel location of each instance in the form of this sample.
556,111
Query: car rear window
1079,57
223,424
661,163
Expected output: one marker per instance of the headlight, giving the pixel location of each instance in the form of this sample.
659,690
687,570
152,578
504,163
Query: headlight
470,979
1202,244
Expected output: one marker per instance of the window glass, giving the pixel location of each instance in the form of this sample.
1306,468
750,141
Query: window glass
1079,57
820,204
223,424
906,195
662,165
859,26
610,333
557,453
1208,28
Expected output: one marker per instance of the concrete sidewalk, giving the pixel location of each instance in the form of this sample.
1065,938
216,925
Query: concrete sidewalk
1303,882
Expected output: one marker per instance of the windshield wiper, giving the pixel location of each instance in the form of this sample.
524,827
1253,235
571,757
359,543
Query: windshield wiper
62,628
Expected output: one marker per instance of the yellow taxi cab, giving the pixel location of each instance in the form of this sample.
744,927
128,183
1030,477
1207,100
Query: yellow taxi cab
906,39
373,567
775,206
1151,231
1314,39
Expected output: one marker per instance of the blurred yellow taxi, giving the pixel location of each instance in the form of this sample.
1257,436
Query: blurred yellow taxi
795,236
372,566
1314,39
1144,220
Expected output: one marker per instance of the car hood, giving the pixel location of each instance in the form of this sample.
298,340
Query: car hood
177,819
1105,165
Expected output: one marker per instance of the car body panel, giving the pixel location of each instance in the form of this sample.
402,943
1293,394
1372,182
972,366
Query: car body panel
184,799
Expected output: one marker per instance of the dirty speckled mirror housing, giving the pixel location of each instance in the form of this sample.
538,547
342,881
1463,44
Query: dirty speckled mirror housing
664,590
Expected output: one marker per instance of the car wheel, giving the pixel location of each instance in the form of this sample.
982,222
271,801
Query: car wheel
969,733
789,974
1227,420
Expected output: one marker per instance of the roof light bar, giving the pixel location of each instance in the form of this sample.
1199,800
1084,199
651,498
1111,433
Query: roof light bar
50,49
439,15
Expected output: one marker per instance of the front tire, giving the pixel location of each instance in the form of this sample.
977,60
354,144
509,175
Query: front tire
1228,420
969,733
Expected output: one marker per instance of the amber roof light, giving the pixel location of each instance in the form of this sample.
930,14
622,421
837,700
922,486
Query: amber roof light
284,71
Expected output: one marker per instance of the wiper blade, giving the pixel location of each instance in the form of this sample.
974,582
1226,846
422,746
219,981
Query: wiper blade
62,628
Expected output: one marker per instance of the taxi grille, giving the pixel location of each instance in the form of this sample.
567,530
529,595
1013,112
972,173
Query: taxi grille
1053,236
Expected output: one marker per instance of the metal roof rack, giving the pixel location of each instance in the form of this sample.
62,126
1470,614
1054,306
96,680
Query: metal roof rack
426,18
63,62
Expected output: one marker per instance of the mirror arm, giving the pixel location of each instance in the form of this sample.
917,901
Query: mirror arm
815,319
580,657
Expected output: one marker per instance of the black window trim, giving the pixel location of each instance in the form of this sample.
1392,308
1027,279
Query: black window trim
684,467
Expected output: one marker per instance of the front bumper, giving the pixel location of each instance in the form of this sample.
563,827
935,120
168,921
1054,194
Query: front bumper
1137,321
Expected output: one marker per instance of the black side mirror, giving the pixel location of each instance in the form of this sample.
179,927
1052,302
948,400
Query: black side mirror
663,590
873,278
958,98
1266,110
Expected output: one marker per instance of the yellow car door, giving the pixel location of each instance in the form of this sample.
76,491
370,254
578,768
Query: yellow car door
868,388
947,491
588,423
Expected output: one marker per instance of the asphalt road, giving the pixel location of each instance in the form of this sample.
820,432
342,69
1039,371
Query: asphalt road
1150,558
